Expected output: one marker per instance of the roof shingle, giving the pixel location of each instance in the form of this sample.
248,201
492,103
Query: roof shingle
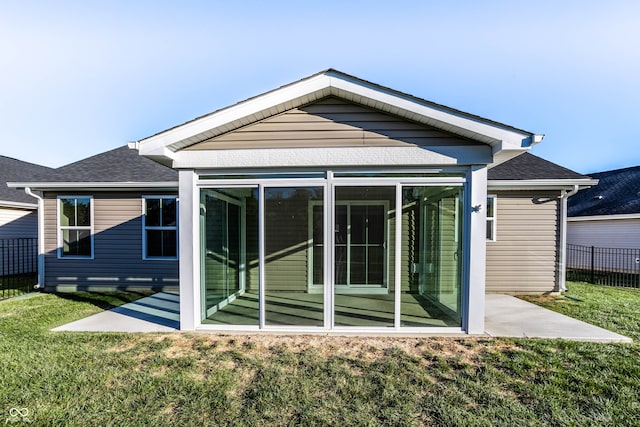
118,165
617,193
17,170
526,166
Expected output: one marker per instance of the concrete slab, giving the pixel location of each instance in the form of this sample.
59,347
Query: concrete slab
156,313
508,316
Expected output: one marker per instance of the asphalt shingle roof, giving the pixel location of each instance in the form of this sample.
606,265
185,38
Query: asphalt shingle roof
118,165
617,193
17,170
527,166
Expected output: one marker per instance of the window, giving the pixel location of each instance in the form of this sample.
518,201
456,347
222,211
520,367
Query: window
160,227
75,236
491,218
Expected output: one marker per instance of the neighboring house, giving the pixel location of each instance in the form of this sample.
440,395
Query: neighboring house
608,214
18,211
18,218
328,205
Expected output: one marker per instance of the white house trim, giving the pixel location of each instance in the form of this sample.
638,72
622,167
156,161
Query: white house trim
105,186
330,157
539,184
17,205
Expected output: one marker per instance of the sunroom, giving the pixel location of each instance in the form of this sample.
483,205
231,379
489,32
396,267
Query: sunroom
333,205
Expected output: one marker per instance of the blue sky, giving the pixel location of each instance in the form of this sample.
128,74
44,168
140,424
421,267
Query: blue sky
81,77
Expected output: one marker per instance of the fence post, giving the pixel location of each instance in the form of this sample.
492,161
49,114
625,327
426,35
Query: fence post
593,257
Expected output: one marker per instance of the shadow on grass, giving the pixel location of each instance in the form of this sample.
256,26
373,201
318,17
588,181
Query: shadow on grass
104,300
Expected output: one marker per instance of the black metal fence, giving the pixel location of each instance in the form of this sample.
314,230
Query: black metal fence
604,266
18,266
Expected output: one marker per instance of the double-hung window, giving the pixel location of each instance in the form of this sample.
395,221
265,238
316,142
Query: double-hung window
160,227
491,218
75,227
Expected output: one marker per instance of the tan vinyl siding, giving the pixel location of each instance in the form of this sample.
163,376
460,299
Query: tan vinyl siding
524,257
16,223
117,262
331,123
618,233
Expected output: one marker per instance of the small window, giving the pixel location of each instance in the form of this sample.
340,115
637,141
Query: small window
160,227
75,236
491,218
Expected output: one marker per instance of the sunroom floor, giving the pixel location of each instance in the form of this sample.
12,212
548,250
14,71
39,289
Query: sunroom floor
305,309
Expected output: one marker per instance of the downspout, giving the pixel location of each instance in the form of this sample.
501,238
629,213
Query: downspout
562,256
40,284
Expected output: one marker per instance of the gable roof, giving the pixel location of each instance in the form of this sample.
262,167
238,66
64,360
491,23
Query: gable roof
120,167
17,170
505,140
528,166
533,172
618,193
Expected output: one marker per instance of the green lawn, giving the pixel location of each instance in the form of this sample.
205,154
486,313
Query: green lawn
193,379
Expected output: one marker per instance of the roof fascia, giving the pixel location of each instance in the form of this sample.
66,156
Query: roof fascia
500,137
17,205
540,184
603,217
101,186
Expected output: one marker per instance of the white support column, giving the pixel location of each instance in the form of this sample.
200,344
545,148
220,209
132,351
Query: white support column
189,250
476,238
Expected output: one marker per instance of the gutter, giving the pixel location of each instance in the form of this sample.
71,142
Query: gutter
40,199
562,256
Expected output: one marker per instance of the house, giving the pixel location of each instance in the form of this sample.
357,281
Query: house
608,214
96,232
330,205
18,218
18,211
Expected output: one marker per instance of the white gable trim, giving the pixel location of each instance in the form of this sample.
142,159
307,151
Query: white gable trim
332,83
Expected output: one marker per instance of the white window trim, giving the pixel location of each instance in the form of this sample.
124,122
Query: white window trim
60,228
493,219
145,228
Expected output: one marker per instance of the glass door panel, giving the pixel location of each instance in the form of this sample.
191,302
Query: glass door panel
294,236
228,236
431,256
364,233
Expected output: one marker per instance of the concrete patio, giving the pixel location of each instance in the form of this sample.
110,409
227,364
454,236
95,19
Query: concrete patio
506,316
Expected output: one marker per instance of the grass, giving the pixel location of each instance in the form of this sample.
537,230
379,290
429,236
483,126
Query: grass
193,379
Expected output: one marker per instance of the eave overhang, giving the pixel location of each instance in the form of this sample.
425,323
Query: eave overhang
505,141
96,186
540,184
604,217
17,205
